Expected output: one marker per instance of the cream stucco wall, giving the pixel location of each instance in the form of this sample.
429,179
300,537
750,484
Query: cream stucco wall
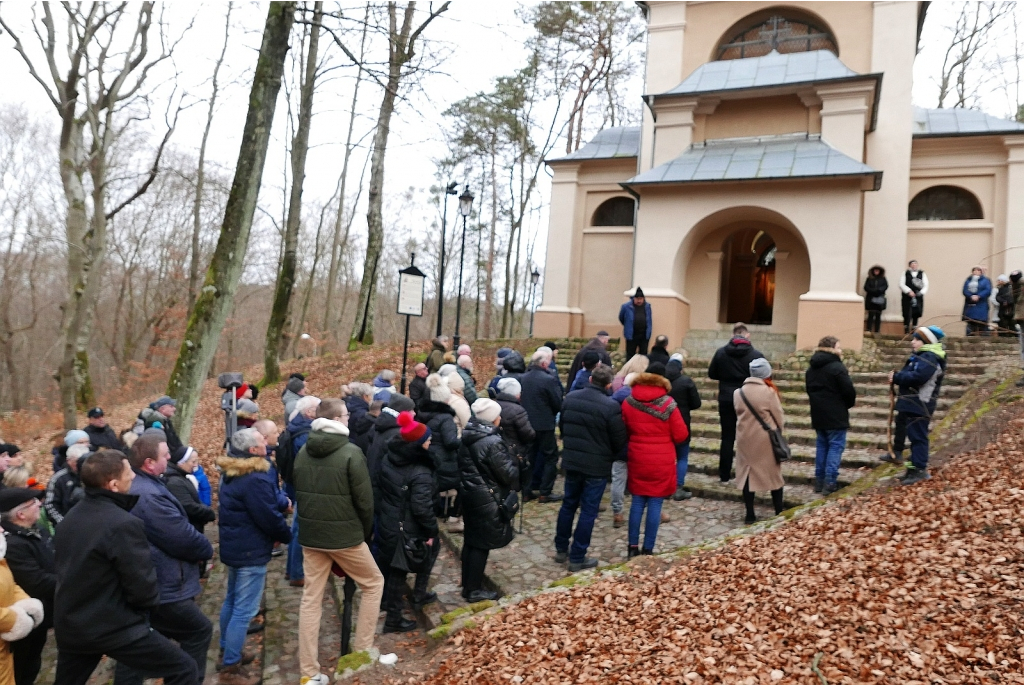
753,117
946,255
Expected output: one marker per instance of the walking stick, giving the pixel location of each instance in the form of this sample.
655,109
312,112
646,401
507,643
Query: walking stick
888,425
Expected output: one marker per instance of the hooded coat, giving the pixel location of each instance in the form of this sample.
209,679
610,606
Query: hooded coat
488,471
684,392
436,357
655,427
977,311
332,489
360,422
406,479
830,391
382,389
754,456
384,428
920,380
248,518
731,366
444,441
875,287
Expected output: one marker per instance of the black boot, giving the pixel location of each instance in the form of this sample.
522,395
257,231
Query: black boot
646,551
777,501
634,551
748,503
399,625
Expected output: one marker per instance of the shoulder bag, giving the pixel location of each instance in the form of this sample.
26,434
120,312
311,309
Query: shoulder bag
508,506
780,448
412,554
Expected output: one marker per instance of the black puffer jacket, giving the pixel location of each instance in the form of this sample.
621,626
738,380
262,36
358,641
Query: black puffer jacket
384,428
360,422
541,398
830,390
444,441
515,426
100,438
731,366
406,473
684,392
486,465
181,487
593,434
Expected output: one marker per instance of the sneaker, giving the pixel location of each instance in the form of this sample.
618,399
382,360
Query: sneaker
665,518
587,562
318,679
890,459
237,674
819,485
829,488
256,625
561,557
403,625
682,494
553,497
480,596
298,582
618,520
914,476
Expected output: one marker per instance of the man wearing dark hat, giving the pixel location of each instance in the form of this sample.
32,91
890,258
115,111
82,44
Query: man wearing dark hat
637,323
30,558
293,390
100,434
599,344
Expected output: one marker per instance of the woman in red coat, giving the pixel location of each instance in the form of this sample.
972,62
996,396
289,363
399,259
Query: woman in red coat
655,427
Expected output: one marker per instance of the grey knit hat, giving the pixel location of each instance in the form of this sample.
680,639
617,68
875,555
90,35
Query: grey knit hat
760,368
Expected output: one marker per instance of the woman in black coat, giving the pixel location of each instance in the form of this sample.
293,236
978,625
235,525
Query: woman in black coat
406,483
181,465
684,392
874,297
515,425
489,474
440,419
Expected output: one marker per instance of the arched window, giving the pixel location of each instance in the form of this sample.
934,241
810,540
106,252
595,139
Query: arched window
783,34
617,211
944,203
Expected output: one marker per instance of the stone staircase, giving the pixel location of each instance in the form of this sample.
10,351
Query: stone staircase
967,360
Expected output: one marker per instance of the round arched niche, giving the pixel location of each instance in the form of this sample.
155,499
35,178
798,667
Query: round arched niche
709,268
781,28
615,211
945,203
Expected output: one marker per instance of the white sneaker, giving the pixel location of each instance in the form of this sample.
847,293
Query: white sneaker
319,679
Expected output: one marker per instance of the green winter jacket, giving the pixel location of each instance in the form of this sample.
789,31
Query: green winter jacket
332,489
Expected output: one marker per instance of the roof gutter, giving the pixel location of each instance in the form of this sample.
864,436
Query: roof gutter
875,175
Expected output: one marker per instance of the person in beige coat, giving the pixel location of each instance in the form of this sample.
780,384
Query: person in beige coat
756,468
458,401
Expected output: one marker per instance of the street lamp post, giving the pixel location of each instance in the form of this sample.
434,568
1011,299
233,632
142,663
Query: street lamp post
465,208
534,277
410,303
451,189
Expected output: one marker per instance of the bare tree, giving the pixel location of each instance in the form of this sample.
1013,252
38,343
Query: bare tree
217,295
193,271
277,333
104,77
961,76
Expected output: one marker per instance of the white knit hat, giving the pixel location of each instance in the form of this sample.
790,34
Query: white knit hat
510,386
438,388
486,409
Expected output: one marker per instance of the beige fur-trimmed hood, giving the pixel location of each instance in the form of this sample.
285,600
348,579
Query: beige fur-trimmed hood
652,379
232,467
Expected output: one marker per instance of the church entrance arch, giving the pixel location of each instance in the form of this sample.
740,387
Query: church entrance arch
745,264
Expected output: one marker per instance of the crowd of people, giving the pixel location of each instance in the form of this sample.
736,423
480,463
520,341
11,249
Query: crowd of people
988,309
111,553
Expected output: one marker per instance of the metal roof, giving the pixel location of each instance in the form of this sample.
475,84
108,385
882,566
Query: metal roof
617,141
960,122
770,70
748,159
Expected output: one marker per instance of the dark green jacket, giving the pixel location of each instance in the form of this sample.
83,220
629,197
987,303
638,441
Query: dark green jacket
333,495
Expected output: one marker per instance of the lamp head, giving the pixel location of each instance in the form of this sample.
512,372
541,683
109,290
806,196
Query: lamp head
535,276
466,202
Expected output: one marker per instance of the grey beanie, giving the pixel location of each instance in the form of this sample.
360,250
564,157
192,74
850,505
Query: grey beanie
295,385
510,386
400,403
760,368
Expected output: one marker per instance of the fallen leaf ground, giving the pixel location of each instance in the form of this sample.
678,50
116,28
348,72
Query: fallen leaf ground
913,585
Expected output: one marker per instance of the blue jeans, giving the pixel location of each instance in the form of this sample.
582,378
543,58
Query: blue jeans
830,446
682,463
293,567
584,493
636,512
241,604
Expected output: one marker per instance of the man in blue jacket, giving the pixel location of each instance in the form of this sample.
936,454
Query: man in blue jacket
250,522
177,549
637,324
919,383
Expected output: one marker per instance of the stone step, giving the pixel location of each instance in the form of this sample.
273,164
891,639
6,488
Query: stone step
852,458
858,423
709,412
801,436
795,472
875,379
796,392
709,487
794,401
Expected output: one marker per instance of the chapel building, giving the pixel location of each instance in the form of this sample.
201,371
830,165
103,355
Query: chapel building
779,158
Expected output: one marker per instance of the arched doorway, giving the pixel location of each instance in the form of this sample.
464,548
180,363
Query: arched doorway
748,277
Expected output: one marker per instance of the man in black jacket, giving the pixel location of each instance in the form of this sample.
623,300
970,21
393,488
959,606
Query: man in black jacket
106,584
65,488
593,436
730,367
101,436
684,392
832,394
599,344
542,400
30,558
418,386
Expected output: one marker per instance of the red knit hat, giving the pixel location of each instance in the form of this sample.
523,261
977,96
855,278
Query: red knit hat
241,390
411,429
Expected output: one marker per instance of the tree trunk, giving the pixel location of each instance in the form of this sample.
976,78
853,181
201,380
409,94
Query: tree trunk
309,283
338,243
277,328
193,267
218,292
489,294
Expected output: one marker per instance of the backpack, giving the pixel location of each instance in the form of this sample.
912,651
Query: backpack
285,453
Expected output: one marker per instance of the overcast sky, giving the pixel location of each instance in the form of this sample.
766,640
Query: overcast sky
482,40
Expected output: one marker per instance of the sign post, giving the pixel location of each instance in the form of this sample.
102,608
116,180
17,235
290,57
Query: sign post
410,303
